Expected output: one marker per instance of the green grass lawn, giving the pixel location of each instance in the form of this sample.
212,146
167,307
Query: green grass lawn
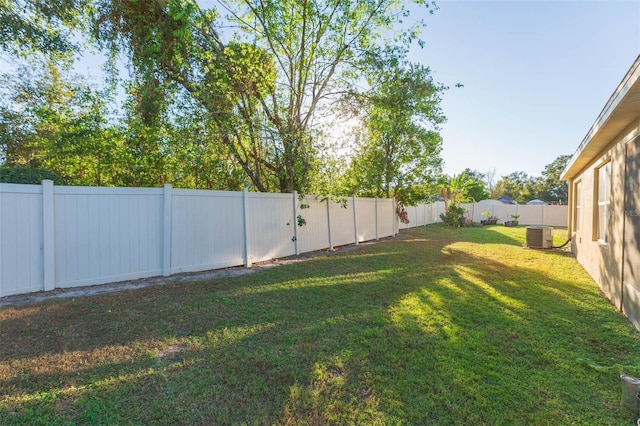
436,326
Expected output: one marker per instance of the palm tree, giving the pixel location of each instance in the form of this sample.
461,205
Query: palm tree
453,190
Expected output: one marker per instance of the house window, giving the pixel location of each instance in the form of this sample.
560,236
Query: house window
577,200
604,200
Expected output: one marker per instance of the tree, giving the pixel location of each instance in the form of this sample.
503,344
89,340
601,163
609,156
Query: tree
263,90
175,46
475,189
40,26
523,188
453,190
57,122
552,189
517,185
192,159
400,145
489,181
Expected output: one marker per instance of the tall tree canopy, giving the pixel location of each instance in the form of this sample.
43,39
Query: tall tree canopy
55,120
264,88
475,188
552,189
398,151
230,95
523,188
40,25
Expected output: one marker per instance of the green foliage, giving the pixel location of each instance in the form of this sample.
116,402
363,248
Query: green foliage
207,112
517,185
454,216
552,189
454,190
53,120
30,176
262,90
523,188
28,26
175,47
398,151
475,190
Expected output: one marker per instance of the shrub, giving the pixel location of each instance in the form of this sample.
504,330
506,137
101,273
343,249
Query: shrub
32,176
454,216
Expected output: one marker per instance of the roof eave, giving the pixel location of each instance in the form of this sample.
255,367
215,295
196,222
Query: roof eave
620,111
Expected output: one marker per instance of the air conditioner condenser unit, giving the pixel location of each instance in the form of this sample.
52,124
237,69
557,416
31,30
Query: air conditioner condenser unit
539,237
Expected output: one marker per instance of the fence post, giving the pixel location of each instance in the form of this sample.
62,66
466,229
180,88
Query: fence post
48,235
394,221
329,223
245,208
426,217
376,218
166,231
355,222
473,212
0,239
295,222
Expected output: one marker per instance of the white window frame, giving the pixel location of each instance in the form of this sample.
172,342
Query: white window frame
577,206
603,202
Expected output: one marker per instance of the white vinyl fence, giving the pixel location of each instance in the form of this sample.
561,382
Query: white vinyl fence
426,214
529,214
423,214
61,236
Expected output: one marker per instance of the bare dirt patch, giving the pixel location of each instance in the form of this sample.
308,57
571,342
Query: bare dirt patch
61,293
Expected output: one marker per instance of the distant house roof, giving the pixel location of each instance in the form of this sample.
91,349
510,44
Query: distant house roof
536,202
505,199
620,111
490,202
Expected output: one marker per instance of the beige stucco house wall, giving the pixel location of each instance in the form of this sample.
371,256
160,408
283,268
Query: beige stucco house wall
604,197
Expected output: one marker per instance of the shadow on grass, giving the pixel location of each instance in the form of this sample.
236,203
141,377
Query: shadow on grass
416,330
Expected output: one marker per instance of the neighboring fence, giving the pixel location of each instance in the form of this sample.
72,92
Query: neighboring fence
426,214
62,236
529,214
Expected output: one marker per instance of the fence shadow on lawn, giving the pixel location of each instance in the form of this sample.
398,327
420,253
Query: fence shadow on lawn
418,330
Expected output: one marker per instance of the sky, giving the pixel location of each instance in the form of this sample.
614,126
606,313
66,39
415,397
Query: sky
536,74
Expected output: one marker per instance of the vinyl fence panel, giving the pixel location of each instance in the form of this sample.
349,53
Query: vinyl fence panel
437,209
386,216
271,224
425,214
342,223
207,231
366,212
21,232
412,214
314,235
503,212
555,215
107,234
532,215
421,215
